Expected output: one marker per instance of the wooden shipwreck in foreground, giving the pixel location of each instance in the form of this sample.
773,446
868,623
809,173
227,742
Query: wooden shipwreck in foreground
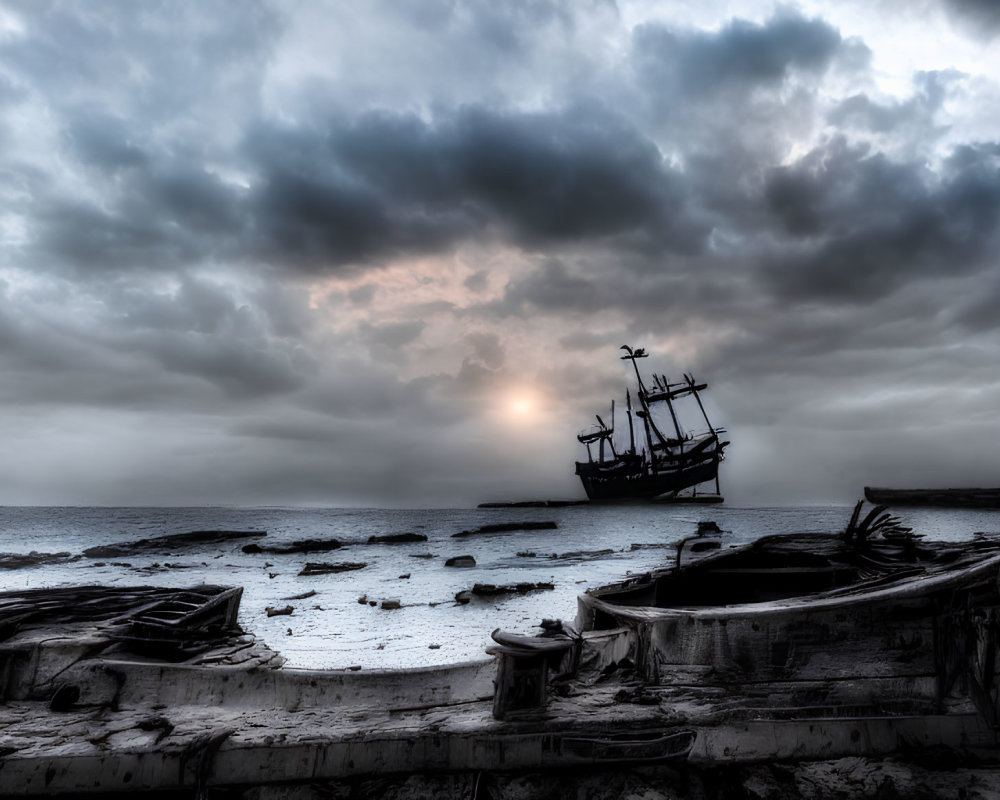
797,646
666,463
794,648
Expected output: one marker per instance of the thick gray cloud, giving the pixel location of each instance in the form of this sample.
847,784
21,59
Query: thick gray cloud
741,56
873,225
317,243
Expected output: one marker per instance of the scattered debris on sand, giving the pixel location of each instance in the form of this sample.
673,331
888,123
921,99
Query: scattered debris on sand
506,527
493,590
319,568
169,543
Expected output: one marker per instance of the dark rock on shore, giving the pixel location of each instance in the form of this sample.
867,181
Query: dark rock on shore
159,544
300,546
460,561
318,568
397,538
493,590
505,527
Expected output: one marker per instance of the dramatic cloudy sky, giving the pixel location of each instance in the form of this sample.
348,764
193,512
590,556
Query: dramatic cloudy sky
271,251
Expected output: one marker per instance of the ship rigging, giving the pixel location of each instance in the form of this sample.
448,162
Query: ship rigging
670,462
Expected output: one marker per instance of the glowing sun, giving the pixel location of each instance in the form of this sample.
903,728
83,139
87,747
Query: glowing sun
521,406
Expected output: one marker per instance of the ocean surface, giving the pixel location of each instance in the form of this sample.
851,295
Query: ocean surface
592,545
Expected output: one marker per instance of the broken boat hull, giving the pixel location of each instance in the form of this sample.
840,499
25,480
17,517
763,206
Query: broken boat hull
910,639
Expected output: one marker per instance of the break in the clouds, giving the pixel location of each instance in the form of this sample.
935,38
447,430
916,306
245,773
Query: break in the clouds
259,252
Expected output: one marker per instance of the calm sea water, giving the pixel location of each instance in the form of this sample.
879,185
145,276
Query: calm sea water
333,630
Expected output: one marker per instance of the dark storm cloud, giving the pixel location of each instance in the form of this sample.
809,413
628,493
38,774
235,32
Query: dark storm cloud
741,56
389,184
103,141
385,185
336,193
980,18
867,225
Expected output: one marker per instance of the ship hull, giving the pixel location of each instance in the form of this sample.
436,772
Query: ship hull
624,479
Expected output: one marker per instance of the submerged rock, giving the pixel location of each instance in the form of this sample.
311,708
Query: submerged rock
505,527
397,538
168,543
319,568
301,546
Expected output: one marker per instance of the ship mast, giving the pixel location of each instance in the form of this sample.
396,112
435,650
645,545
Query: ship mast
631,430
689,379
664,387
643,393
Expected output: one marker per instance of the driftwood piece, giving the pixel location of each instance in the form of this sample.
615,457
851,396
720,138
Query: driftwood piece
303,596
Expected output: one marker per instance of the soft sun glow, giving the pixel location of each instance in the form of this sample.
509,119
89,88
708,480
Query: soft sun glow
521,406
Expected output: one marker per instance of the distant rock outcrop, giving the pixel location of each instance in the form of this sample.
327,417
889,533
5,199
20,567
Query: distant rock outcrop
300,546
505,527
169,543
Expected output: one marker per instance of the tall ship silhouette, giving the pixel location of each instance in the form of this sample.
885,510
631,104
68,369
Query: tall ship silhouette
657,464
